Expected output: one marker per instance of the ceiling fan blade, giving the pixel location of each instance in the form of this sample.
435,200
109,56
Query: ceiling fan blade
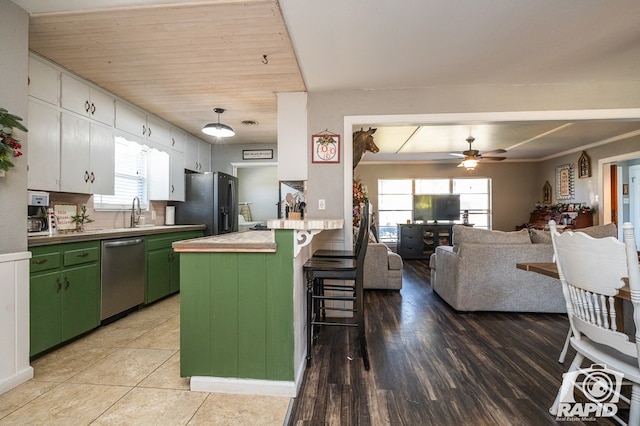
495,151
457,154
483,158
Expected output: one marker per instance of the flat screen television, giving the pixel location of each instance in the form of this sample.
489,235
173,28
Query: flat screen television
436,207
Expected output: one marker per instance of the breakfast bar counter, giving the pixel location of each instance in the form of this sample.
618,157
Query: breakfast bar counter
242,308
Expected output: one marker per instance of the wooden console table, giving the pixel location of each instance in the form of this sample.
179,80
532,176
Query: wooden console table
539,219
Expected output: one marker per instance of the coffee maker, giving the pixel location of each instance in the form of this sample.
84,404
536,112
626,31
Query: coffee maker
37,223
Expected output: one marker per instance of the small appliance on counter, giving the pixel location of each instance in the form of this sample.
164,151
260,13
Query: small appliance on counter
37,220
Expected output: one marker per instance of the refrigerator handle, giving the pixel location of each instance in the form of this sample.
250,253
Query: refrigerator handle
234,206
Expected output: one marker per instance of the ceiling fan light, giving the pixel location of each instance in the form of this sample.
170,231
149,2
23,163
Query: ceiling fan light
469,163
218,130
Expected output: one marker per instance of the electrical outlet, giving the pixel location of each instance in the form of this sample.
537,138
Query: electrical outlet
153,215
321,205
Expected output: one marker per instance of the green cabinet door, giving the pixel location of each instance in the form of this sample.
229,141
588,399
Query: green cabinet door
163,264
174,285
45,311
65,293
158,274
81,300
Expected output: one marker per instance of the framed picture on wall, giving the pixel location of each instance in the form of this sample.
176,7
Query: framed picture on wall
564,182
325,148
584,166
547,193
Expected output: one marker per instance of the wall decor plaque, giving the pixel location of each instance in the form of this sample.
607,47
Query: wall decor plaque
325,148
63,213
564,182
584,166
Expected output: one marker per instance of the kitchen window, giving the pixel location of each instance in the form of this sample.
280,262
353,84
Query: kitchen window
130,177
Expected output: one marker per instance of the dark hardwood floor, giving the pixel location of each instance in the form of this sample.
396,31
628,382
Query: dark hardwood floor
433,366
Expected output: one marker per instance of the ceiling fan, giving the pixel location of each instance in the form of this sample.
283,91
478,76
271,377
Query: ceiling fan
473,156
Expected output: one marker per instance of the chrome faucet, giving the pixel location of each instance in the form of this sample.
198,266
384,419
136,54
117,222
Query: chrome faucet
135,213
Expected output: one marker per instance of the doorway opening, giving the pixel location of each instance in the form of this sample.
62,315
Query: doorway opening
620,184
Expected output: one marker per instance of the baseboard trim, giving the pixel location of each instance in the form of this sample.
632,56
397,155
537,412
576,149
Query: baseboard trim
16,379
242,386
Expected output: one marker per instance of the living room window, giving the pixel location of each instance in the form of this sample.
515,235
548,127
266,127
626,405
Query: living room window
395,201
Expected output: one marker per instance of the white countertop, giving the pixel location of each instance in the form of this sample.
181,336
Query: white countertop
234,242
104,234
310,224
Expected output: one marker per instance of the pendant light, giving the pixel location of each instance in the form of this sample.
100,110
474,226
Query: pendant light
218,129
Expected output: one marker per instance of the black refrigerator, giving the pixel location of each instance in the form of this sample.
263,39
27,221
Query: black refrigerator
212,199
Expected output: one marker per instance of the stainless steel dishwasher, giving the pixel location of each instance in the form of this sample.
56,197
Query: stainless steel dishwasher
122,275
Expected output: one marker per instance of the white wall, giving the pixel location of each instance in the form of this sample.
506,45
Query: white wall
329,110
14,258
259,185
14,37
224,155
587,190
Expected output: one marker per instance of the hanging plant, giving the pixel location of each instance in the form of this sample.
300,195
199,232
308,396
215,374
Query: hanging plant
9,146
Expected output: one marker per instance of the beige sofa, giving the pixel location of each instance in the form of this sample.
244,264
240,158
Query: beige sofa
382,268
479,272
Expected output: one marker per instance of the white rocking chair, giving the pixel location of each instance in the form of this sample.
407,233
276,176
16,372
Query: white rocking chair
591,272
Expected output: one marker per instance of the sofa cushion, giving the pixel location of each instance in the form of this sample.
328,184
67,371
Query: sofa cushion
600,231
467,234
540,237
395,261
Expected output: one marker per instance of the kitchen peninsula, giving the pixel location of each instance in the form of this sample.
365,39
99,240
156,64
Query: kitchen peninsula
242,308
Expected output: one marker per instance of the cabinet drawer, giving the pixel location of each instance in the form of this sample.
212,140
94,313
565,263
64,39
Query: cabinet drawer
408,239
44,261
160,243
410,231
79,256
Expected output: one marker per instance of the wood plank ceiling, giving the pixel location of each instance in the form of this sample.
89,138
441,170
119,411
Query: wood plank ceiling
180,61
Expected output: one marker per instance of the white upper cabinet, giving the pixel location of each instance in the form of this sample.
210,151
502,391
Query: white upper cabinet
197,155
158,131
204,154
166,175
86,156
44,81
139,123
158,172
176,189
43,140
177,139
82,98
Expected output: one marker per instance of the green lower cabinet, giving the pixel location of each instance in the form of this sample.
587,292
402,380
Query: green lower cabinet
65,293
163,264
45,309
81,300
158,274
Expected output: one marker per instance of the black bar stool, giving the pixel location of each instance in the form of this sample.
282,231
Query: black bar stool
348,254
317,270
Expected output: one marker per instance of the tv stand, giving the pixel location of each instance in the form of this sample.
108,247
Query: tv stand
419,241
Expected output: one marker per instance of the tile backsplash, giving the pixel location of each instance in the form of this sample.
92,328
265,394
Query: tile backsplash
108,219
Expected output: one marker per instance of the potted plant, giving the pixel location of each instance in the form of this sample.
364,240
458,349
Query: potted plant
9,146
81,218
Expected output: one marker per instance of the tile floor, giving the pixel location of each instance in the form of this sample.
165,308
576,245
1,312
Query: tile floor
128,372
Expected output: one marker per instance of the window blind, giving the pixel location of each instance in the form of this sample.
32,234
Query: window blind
130,177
